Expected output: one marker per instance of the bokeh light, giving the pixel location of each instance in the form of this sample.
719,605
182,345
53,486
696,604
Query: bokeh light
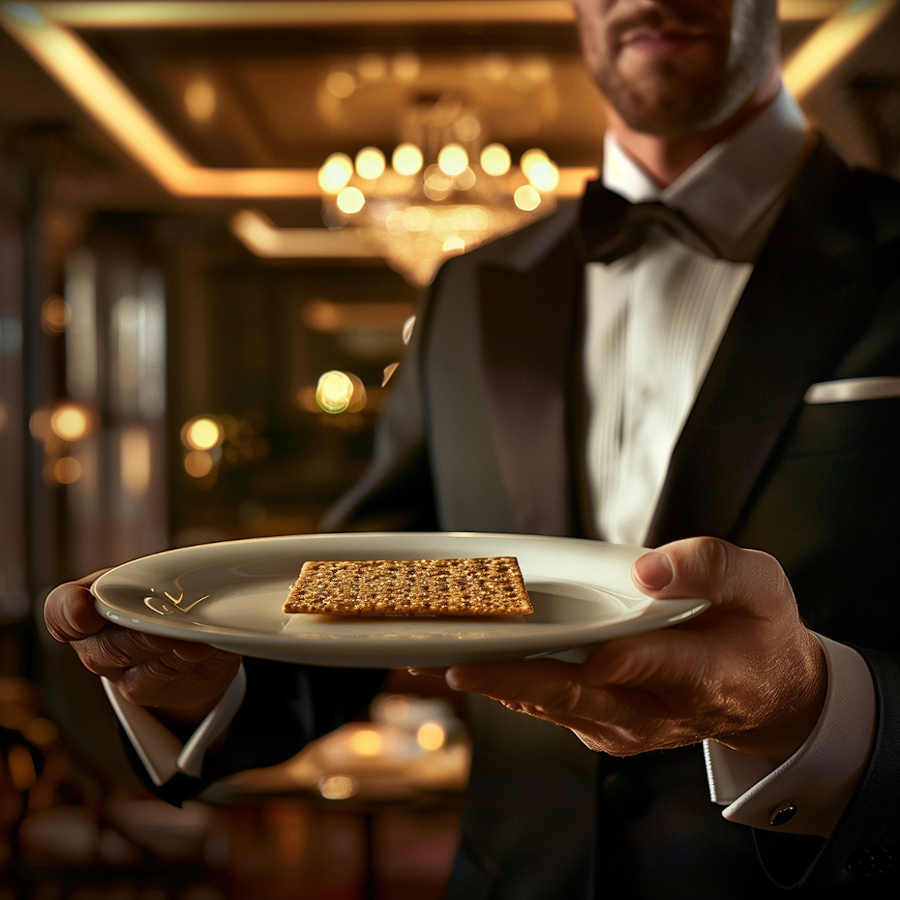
431,736
338,787
71,422
370,163
453,159
198,463
407,159
54,315
334,392
335,172
544,175
350,200
527,198
200,100
495,160
202,433
340,85
366,742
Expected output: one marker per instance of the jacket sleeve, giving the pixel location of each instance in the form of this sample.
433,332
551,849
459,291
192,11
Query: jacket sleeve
864,849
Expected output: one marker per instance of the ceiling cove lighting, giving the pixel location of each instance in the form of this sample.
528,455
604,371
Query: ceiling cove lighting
48,31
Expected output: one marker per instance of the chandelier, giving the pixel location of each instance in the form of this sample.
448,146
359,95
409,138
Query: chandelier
442,192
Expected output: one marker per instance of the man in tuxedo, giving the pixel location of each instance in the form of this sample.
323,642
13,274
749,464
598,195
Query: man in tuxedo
704,356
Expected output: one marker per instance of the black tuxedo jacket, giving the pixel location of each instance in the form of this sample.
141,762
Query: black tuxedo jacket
482,433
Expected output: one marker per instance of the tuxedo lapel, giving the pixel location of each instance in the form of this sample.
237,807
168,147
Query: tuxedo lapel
810,293
528,319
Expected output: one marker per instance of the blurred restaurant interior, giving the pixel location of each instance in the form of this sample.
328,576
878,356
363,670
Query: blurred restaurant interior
205,207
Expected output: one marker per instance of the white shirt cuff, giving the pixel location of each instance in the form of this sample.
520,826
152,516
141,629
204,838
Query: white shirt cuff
819,779
162,754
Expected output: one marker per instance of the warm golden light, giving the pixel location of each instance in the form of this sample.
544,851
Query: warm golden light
67,470
202,433
335,172
453,244
198,463
453,159
70,422
407,159
431,736
465,181
135,460
544,175
54,315
406,66
40,731
200,100
338,787
529,158
370,163
372,67
340,85
350,200
334,392
417,218
366,742
495,160
395,707
527,198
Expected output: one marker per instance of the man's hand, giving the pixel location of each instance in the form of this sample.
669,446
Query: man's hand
746,672
180,681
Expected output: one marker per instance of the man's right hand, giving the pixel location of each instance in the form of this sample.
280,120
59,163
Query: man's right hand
180,681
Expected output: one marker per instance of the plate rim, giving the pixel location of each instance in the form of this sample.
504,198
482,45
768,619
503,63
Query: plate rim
346,652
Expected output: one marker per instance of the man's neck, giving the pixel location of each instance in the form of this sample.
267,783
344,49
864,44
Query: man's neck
665,157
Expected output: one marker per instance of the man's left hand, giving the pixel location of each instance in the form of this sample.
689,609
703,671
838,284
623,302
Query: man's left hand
746,672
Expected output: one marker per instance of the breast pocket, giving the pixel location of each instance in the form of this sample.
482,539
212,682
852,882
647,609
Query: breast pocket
847,426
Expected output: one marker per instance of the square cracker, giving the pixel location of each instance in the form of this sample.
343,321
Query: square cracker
491,586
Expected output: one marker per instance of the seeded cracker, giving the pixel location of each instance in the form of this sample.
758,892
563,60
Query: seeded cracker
491,586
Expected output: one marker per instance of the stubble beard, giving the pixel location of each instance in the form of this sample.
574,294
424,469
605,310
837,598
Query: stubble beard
664,99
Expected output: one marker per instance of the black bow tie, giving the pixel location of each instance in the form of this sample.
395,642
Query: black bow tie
611,227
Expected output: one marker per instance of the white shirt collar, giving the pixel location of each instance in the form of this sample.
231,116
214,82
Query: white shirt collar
728,191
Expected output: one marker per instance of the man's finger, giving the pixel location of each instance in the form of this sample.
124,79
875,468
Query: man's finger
115,649
538,686
69,611
710,569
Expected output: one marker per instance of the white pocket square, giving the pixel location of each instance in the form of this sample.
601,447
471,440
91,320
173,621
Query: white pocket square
853,389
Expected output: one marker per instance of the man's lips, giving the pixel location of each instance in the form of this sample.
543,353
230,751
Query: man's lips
661,41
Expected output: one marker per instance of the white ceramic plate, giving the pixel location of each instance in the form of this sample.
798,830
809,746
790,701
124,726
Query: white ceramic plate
230,595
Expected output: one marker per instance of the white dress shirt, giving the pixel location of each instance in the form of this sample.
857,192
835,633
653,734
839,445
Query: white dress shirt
654,321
